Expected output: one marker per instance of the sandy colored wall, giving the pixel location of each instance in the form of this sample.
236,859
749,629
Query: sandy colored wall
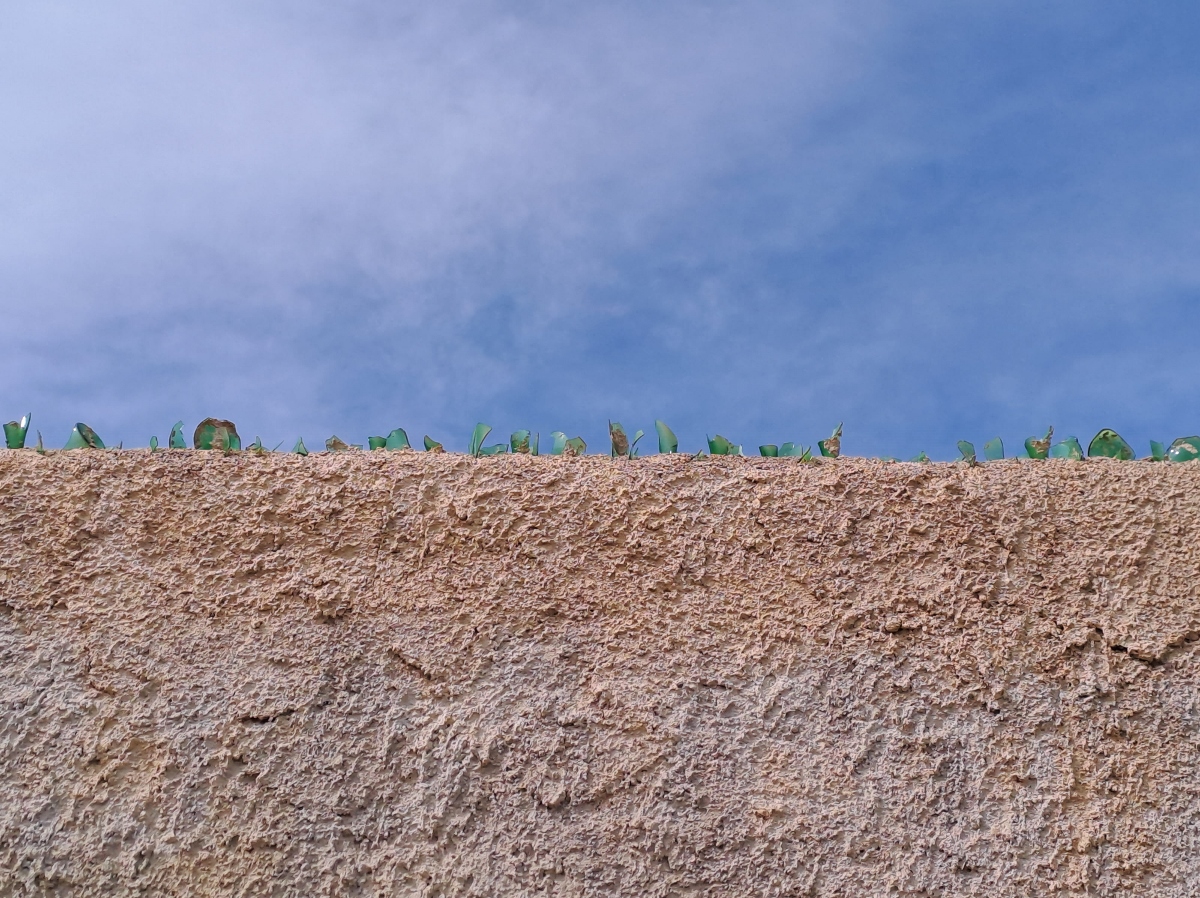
410,674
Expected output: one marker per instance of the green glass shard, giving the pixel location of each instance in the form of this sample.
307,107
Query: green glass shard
83,437
619,440
519,441
176,441
993,450
967,451
920,457
397,439
1068,448
575,446
769,451
478,435
832,447
718,445
533,447
432,445
888,458
1158,452
1108,444
374,443
299,448
40,449
633,450
1039,447
76,440
257,446
1184,449
667,442
334,444
214,433
794,450
14,432
560,443
497,449
153,444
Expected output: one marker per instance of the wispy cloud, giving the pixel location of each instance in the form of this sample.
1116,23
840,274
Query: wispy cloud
747,216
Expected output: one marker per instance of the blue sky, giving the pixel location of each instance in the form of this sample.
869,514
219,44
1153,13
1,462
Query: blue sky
929,221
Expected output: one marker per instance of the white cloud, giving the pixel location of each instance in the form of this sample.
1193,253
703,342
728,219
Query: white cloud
253,206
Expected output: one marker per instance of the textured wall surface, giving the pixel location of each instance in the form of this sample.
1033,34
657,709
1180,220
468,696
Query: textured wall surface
410,674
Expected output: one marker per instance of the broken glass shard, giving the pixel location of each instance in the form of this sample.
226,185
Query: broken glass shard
1039,447
14,433
619,439
718,445
397,439
478,435
667,442
1184,449
335,444
1108,444
214,433
83,437
832,447
1068,448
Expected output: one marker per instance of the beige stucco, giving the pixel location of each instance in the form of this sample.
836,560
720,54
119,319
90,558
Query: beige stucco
415,674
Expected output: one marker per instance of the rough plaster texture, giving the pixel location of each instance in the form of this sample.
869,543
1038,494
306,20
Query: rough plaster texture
411,674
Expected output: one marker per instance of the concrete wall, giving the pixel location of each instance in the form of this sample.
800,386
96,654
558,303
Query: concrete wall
411,674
